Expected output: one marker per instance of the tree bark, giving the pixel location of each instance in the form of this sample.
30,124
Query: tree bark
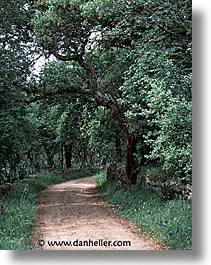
118,146
62,156
131,163
50,161
68,155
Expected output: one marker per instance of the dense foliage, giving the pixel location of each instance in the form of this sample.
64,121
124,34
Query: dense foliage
14,70
117,86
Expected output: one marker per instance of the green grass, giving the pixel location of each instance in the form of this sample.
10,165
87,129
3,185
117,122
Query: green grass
19,207
169,221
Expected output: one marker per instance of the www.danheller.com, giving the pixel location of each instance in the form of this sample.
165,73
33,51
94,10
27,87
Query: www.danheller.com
84,243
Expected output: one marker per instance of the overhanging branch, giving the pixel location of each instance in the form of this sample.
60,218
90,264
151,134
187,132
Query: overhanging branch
50,94
64,58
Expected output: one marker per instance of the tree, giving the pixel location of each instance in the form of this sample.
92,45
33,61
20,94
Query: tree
158,84
154,32
65,30
14,69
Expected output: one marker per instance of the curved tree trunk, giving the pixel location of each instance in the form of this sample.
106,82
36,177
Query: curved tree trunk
103,100
131,163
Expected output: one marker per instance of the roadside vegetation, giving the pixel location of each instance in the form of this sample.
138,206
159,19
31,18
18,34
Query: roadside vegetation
169,221
18,208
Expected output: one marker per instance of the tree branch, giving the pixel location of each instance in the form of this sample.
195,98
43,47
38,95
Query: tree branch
57,93
172,33
109,104
73,57
101,99
92,78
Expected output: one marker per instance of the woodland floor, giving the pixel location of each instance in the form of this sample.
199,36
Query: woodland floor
74,210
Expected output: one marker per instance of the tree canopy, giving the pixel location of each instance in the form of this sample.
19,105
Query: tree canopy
117,91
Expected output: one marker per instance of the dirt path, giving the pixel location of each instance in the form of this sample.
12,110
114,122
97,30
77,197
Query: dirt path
73,211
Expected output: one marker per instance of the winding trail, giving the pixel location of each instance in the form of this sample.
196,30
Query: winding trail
73,211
